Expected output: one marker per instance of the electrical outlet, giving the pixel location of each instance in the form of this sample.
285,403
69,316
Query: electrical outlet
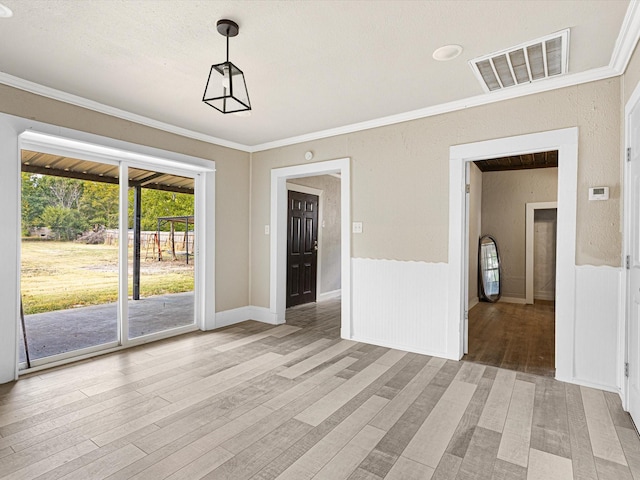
266,229
357,227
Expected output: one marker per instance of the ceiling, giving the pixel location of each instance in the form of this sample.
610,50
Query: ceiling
519,162
313,68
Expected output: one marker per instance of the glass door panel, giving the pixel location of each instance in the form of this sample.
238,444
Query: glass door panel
160,252
69,256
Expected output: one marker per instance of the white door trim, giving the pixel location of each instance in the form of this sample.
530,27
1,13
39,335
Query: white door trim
627,245
320,194
278,228
566,142
531,210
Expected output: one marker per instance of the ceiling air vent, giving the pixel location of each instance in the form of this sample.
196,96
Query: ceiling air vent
543,58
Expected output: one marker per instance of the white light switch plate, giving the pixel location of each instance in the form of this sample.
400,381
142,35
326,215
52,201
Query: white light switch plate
357,227
266,229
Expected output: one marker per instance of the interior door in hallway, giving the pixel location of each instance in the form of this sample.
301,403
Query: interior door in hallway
633,296
302,248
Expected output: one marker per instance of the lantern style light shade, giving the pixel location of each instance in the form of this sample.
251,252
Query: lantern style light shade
226,88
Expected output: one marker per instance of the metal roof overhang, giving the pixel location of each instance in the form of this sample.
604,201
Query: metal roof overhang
61,166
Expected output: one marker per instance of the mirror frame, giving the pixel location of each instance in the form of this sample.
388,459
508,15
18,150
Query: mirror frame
482,294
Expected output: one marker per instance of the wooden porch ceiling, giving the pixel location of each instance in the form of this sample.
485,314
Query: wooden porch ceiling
519,162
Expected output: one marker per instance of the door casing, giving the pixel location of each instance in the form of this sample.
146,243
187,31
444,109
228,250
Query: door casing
566,142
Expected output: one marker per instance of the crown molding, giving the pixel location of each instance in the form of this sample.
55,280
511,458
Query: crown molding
484,99
627,38
44,91
623,49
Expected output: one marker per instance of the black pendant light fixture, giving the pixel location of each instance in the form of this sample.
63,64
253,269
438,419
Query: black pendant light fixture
226,89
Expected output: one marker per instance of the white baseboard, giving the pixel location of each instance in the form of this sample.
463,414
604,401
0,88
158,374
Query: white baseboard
521,301
231,317
544,296
328,295
264,315
586,383
242,314
473,302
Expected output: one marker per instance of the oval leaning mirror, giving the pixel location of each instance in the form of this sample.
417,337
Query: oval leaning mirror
489,270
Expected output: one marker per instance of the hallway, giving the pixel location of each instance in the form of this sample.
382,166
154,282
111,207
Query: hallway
512,336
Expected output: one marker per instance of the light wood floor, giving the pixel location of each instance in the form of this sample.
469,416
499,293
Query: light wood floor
512,336
296,402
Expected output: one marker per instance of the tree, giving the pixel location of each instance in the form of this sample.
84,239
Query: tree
100,204
65,223
158,203
34,201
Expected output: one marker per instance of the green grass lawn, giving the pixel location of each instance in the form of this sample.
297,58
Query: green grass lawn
61,275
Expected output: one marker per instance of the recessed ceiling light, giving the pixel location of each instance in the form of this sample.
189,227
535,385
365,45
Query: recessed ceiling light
5,12
448,52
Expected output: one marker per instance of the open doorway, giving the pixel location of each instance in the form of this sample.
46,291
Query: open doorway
513,199
313,239
278,230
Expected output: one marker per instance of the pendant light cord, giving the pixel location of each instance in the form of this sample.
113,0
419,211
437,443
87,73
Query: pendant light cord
227,44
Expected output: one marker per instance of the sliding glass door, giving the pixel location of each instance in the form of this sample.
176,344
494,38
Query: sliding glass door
160,254
107,255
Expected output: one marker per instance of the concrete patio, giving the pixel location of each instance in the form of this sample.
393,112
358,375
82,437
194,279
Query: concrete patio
63,331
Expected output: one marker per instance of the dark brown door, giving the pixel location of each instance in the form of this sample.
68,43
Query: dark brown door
302,248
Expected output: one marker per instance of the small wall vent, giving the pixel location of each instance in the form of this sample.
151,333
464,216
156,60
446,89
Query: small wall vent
542,58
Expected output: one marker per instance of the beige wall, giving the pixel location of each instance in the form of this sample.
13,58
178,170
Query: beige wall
631,77
232,179
504,199
400,175
475,227
329,243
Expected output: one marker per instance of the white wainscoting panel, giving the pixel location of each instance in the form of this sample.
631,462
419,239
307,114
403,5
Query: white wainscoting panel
401,305
596,326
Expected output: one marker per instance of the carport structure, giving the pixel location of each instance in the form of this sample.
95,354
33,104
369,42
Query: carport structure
60,166
138,179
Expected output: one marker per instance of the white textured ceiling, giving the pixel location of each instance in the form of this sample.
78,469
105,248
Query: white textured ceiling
310,65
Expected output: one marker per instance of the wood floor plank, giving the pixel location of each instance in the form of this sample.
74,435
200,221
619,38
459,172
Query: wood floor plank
448,468
324,407
396,407
431,440
608,470
631,446
584,465
602,432
508,471
107,465
495,412
278,332
310,383
47,464
348,459
407,469
202,465
516,436
319,358
550,426
464,432
546,466
322,452
478,463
